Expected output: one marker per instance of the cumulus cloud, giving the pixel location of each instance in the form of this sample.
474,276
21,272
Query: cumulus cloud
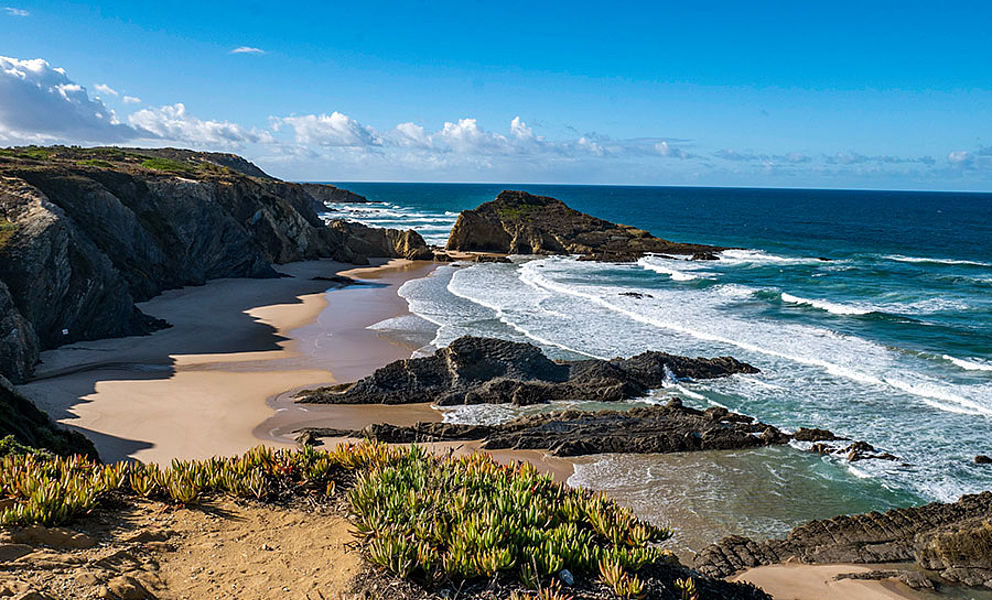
175,123
16,12
669,151
335,129
103,88
40,102
247,50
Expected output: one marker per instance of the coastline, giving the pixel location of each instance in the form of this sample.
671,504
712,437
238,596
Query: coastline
199,388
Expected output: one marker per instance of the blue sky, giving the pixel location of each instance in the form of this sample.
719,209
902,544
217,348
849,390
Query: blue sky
845,94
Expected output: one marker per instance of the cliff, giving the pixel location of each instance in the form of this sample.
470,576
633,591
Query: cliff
21,420
86,233
324,193
520,223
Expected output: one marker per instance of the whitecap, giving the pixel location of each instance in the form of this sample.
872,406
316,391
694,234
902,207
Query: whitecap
831,307
969,365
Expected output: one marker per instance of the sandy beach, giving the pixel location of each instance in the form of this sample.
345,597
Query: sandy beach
201,387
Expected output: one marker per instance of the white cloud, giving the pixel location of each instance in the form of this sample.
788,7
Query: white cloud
411,135
335,129
175,123
520,130
16,12
103,88
39,102
247,50
668,151
132,100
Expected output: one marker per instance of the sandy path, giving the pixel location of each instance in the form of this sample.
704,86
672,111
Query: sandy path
816,582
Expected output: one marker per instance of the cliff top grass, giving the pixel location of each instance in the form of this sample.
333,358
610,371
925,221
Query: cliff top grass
173,161
428,519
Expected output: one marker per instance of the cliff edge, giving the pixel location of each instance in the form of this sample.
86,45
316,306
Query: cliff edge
86,233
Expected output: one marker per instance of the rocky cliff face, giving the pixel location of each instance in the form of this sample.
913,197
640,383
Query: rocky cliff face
324,193
484,370
86,233
520,223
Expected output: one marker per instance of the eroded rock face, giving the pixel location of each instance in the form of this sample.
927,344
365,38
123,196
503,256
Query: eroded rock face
491,371
324,193
79,244
520,223
656,429
953,538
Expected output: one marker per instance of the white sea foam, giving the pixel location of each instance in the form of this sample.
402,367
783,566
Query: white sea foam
969,365
652,263
830,307
940,261
735,257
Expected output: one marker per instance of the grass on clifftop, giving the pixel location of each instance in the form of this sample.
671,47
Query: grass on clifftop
422,517
167,164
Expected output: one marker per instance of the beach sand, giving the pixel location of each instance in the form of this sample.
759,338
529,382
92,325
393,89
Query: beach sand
200,388
816,582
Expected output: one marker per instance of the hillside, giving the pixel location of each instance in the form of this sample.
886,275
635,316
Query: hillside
86,233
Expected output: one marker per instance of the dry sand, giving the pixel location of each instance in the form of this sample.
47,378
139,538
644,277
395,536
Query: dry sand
200,388
816,582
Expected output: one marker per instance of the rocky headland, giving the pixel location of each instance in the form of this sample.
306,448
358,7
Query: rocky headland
86,233
521,223
952,540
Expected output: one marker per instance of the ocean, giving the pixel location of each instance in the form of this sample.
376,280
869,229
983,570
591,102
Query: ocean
869,313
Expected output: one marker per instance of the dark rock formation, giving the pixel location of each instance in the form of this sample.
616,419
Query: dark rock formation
483,370
86,233
954,539
519,223
324,193
981,459
656,429
31,427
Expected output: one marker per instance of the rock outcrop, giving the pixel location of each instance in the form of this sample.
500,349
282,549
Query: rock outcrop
954,539
29,426
520,223
484,370
656,429
325,193
86,233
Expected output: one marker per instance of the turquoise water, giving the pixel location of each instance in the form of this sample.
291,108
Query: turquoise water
889,340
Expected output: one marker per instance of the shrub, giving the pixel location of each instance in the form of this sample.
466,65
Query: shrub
463,518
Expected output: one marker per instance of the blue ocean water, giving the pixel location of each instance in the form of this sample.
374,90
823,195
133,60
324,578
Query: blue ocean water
869,313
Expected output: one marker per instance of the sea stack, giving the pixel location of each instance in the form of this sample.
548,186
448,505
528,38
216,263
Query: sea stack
521,223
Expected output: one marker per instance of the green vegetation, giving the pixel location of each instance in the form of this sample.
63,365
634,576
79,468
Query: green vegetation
518,213
462,518
95,162
7,230
167,164
10,446
428,518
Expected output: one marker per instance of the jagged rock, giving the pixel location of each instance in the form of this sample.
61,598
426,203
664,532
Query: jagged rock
981,459
520,223
804,434
656,429
913,579
490,258
484,370
962,552
704,256
80,244
443,257
938,536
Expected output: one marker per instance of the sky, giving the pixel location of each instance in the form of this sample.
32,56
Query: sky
886,95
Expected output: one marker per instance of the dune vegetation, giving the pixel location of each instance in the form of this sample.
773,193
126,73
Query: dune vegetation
434,520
